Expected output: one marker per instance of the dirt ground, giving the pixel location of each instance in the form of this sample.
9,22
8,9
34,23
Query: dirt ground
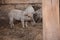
32,32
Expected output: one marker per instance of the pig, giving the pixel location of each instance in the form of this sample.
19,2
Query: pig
38,15
25,15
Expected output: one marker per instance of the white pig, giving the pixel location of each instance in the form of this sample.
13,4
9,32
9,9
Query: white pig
21,15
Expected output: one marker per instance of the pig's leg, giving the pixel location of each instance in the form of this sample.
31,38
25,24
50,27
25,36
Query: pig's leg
33,20
11,22
33,23
22,20
26,24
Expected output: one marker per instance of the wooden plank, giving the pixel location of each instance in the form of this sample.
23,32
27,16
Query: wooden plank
51,27
22,1
1,1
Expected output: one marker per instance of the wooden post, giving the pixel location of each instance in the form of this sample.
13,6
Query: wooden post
51,27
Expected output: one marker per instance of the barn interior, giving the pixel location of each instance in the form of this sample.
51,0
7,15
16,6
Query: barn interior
32,32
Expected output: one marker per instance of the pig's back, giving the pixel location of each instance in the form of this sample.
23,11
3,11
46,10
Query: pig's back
16,14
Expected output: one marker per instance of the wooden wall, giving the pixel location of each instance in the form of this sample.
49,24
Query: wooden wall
19,1
51,29
7,5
